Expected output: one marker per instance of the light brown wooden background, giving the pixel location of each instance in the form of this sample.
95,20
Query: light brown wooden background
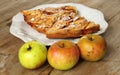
9,44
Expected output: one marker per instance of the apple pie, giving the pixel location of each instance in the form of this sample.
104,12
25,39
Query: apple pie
59,22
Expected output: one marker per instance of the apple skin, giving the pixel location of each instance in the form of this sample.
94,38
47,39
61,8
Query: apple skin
32,54
63,55
92,47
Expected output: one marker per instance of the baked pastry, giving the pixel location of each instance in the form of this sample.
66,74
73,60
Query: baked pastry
43,19
60,22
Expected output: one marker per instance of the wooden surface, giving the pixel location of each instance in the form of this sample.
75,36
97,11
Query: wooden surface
9,44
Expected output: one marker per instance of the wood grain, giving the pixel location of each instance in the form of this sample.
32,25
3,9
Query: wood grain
9,44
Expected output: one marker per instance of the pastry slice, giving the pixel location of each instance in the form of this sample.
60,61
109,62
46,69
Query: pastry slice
43,19
60,22
75,28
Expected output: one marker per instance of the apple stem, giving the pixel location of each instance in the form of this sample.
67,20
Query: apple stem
90,38
62,45
29,47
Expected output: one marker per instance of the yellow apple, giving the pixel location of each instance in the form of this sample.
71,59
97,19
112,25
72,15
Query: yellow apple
32,54
63,55
92,47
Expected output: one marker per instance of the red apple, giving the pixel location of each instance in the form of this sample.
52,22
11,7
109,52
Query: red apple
92,47
63,55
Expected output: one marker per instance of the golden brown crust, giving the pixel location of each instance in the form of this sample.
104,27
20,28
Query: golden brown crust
61,22
79,28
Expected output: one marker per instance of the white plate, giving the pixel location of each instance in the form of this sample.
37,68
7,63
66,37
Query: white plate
22,30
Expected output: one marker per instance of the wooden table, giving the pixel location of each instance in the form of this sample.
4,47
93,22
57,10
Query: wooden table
9,44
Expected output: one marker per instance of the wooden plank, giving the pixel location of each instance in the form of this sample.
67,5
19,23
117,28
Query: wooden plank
9,45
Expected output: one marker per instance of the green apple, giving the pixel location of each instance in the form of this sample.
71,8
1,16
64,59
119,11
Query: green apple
32,54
